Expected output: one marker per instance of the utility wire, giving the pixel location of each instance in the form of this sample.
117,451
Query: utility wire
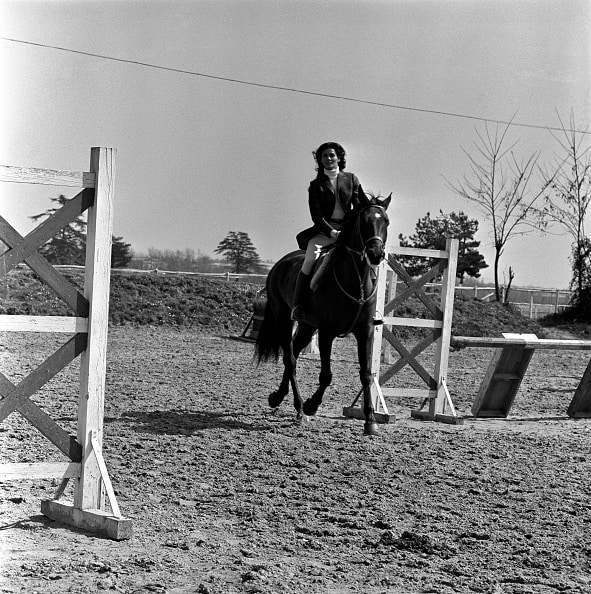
290,89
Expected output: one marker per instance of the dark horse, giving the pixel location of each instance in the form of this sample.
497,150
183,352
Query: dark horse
342,303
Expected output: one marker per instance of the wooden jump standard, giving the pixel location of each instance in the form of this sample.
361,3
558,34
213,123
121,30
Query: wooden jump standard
436,401
507,369
89,328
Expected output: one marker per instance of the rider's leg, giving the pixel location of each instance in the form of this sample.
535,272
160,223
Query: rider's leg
302,288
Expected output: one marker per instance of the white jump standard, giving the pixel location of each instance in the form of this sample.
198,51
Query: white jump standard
436,401
89,327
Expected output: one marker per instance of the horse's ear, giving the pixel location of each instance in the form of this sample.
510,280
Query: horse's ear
385,203
363,198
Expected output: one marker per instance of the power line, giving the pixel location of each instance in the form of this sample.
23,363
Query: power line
290,89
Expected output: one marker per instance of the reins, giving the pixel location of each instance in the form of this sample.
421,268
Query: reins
362,255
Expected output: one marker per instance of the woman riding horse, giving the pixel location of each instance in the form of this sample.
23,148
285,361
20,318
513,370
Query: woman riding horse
331,196
343,302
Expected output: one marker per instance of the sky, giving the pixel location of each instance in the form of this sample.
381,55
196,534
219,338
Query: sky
215,149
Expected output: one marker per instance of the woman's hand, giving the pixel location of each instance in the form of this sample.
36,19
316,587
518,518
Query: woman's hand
334,233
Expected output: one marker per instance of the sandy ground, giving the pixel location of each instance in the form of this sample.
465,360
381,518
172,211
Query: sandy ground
227,496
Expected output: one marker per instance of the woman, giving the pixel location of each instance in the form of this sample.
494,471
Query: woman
330,197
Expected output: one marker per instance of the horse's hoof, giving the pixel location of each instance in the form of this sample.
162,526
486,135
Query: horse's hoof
309,408
302,419
275,399
370,429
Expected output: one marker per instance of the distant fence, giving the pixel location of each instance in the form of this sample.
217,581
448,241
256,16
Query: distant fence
255,279
532,303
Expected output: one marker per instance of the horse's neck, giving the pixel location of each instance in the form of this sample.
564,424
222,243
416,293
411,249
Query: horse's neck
353,269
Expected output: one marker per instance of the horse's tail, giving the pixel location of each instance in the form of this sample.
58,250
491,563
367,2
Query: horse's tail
268,342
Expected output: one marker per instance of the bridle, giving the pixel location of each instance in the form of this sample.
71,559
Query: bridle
360,256
363,252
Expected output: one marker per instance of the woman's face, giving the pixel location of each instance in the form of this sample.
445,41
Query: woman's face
329,159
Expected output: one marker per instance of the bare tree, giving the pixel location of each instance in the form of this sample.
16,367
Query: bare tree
508,287
501,185
570,195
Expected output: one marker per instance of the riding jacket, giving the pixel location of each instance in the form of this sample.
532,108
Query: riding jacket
322,200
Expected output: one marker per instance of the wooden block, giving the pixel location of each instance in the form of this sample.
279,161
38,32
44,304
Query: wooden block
449,419
501,382
580,406
92,520
425,415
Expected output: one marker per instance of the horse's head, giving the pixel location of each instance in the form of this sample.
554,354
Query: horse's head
368,229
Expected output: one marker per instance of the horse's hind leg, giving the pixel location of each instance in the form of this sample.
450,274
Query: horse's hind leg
325,379
289,377
301,340
276,397
291,350
285,333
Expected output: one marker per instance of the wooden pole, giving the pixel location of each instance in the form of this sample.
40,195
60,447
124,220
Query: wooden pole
391,282
437,405
90,493
376,352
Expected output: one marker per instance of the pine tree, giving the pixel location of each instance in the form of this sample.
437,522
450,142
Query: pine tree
433,234
121,253
239,251
68,246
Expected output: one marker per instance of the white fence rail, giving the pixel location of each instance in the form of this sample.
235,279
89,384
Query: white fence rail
533,303
258,279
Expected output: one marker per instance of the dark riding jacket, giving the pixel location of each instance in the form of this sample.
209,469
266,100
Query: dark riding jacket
321,200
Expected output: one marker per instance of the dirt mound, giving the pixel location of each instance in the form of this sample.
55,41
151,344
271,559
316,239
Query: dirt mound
144,299
210,304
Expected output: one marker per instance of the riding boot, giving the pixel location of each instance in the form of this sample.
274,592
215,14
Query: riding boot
302,289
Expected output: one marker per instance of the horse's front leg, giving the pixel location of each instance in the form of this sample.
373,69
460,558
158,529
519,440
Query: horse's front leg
364,354
325,379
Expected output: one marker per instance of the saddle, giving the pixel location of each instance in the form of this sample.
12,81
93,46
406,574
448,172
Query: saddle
321,266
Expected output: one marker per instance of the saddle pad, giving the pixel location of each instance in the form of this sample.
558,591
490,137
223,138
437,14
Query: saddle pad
320,269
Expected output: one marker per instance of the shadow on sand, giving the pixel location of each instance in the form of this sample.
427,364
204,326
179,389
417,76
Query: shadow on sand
182,422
